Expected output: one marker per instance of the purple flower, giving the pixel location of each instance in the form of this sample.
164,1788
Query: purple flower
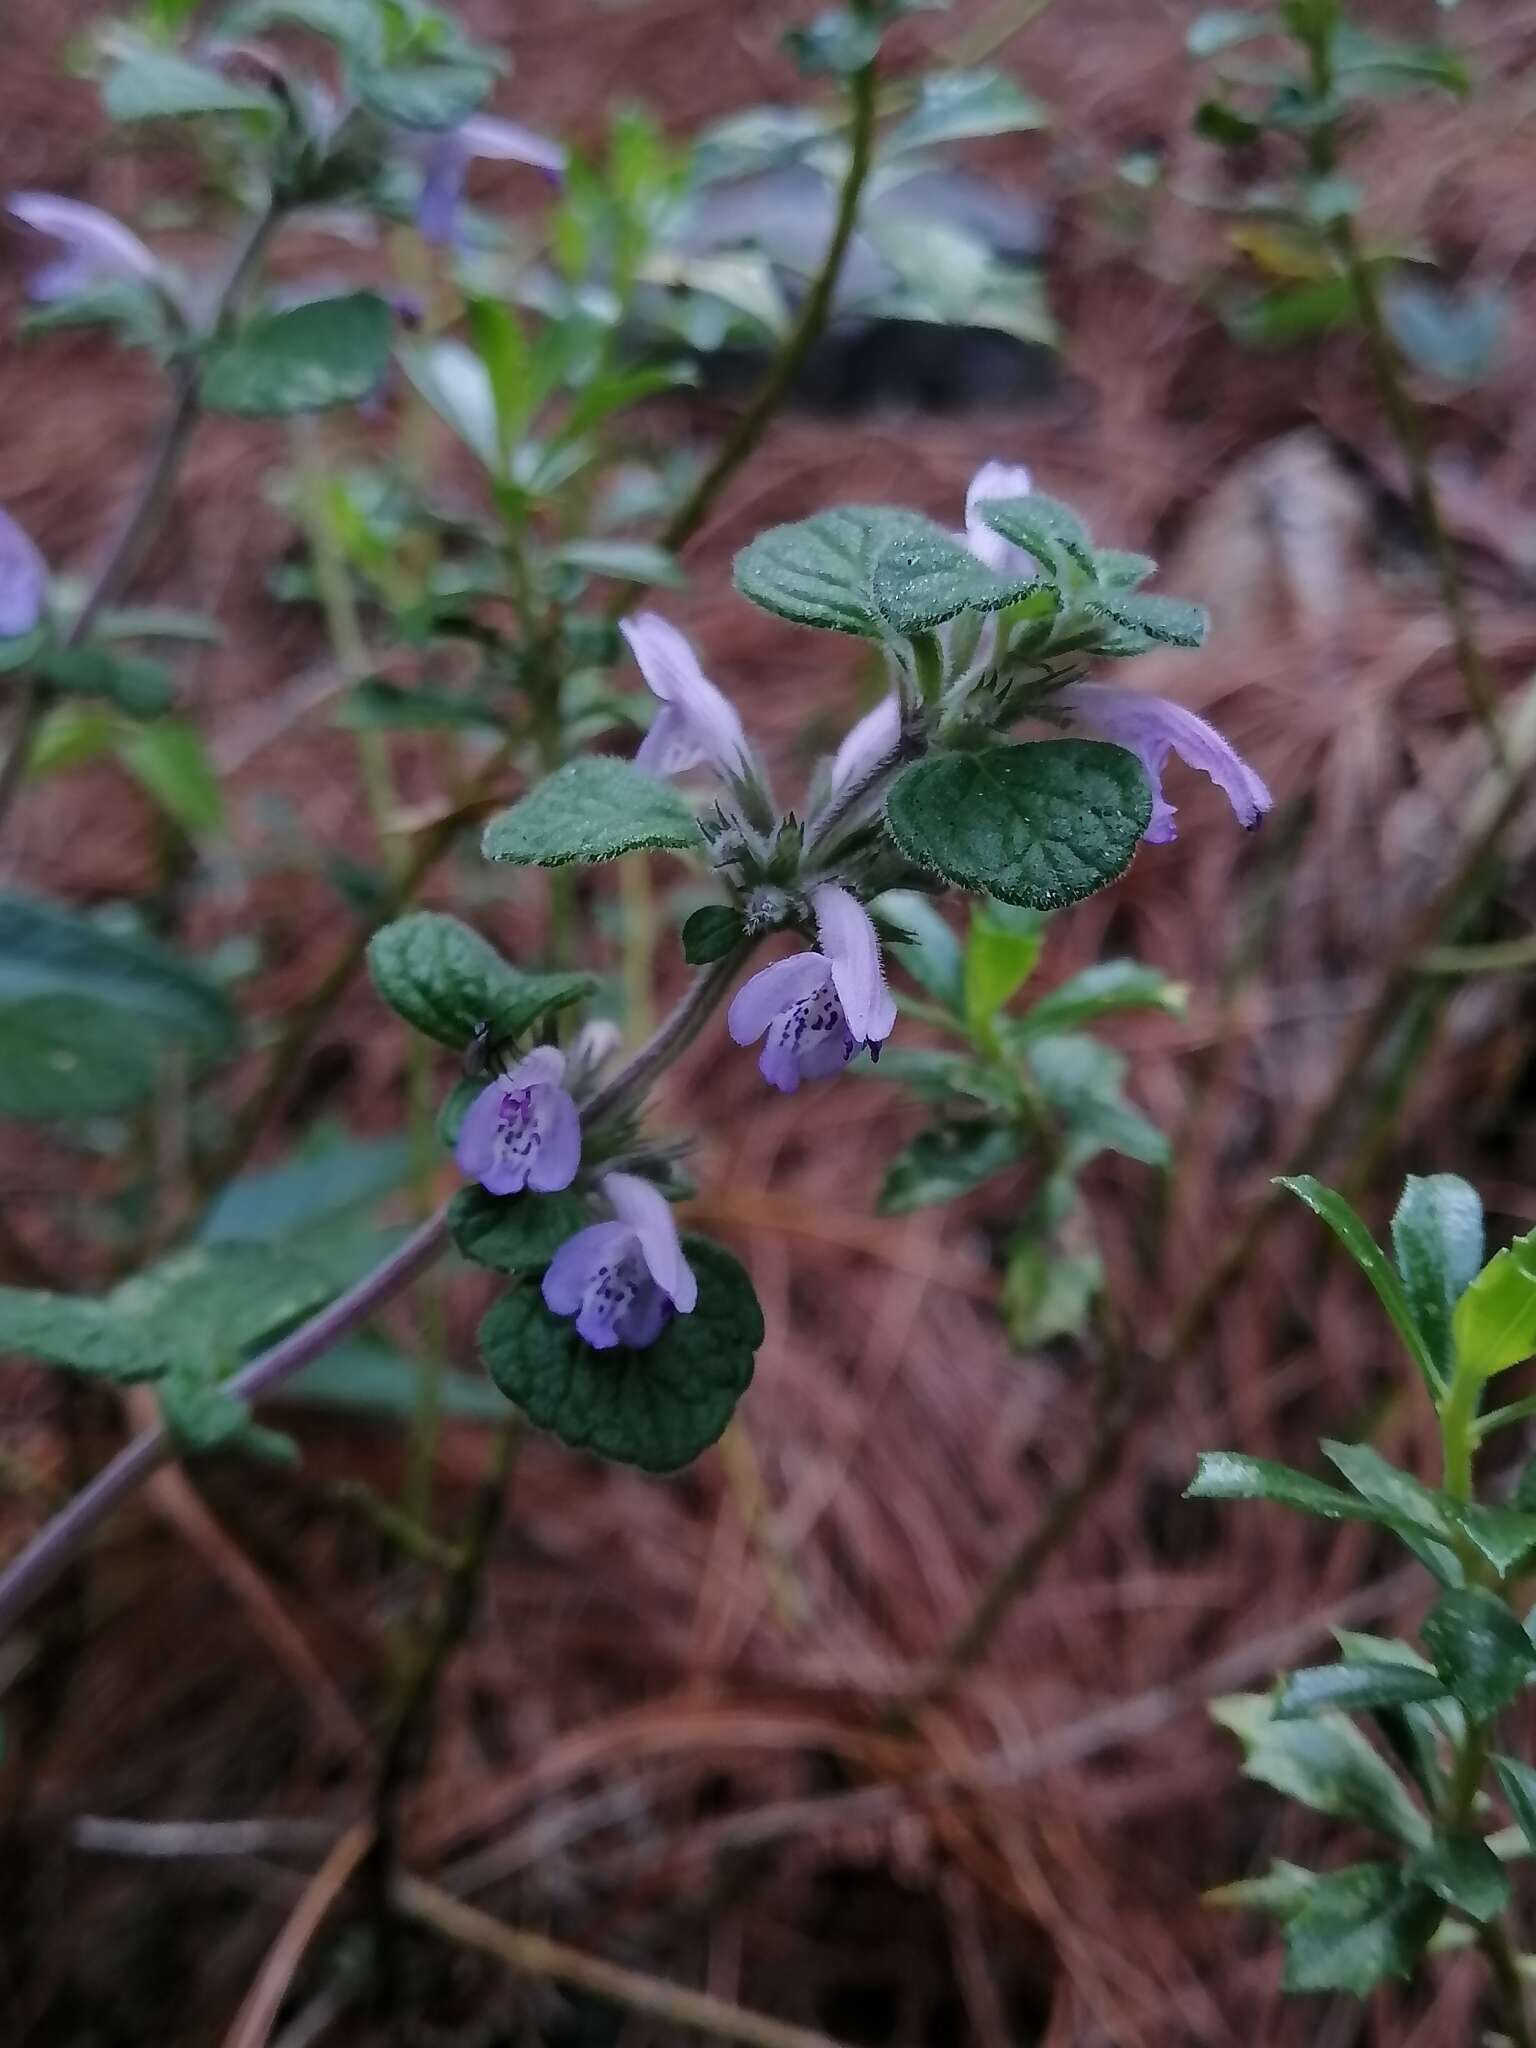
522,1131
818,1009
993,481
866,745
623,1280
445,158
23,579
96,249
696,722
1153,727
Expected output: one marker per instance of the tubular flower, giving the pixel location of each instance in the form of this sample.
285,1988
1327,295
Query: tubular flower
992,481
445,157
94,248
696,722
523,1131
818,1009
866,745
23,579
1153,727
623,1280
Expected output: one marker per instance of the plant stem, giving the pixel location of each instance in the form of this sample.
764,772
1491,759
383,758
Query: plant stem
141,521
40,1562
670,1039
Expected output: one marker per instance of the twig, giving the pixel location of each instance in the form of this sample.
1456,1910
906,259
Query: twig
535,1955
40,1563
258,2013
143,516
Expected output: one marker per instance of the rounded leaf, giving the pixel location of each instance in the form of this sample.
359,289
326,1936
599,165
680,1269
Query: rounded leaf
657,1408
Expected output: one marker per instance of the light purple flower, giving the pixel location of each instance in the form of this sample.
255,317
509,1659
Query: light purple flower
818,1009
696,722
445,158
623,1280
866,745
1153,727
993,481
523,1131
23,579
96,249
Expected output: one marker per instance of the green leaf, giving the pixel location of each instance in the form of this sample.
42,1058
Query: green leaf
946,1161
45,950
931,952
1223,28
157,85
132,682
1463,1870
627,561
837,44
1479,1648
355,25
457,386
593,809
711,933
1323,1762
1371,66
64,1059
1104,990
1368,1256
1000,954
1144,622
1080,1079
1437,1235
426,95
84,1335
869,569
1517,1781
1282,1891
1415,1730
1494,1323
1044,824
1359,1925
173,764
327,352
209,1305
326,1179
365,1378
1047,1292
1292,313
158,622
1046,529
1117,570
1229,1475
1217,122
1455,336
1505,1536
657,1408
447,981
956,106
1349,1687
1397,1492
375,705
513,1233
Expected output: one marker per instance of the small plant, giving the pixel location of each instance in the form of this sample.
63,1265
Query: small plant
1431,1783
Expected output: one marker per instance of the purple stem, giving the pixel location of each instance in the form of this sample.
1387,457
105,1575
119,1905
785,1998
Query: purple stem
37,1566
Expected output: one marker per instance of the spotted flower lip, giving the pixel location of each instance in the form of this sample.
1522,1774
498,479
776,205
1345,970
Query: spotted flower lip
623,1280
697,722
994,481
95,248
523,1131
445,157
816,1009
1153,727
23,579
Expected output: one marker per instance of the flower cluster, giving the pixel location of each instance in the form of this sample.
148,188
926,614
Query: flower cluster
814,1010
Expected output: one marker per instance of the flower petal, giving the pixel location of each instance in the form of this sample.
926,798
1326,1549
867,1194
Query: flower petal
97,248
772,991
558,1156
474,1150
509,142
996,480
649,1214
568,1272
867,744
849,941
543,1067
1152,726
646,1317
444,160
23,579
669,747
672,673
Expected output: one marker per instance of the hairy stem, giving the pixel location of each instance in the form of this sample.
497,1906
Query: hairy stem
141,520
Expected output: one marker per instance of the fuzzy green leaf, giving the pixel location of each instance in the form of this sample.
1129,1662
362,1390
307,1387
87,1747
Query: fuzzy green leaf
1104,990
1479,1649
657,1408
431,96
1323,1762
157,85
711,933
64,1058
1463,1870
513,1233
447,981
327,352
593,809
947,1161
1049,531
1359,1926
1044,824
